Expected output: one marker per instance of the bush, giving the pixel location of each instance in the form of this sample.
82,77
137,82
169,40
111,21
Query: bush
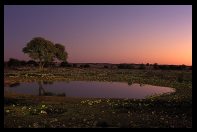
74,65
183,67
155,65
13,63
65,64
142,66
86,66
175,67
23,63
125,66
163,67
32,63
105,66
49,64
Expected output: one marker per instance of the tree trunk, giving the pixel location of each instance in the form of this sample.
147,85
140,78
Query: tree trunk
41,89
41,66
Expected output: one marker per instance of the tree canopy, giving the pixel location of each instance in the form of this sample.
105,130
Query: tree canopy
43,51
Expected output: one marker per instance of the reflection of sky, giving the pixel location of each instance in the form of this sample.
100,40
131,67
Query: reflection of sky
92,89
112,34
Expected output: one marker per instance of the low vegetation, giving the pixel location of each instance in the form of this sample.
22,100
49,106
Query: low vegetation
170,110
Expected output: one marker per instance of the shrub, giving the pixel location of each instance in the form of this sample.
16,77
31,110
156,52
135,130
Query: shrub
13,63
125,66
142,66
65,64
155,65
74,65
32,63
86,66
105,66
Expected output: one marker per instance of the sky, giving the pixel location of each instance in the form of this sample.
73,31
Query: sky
103,33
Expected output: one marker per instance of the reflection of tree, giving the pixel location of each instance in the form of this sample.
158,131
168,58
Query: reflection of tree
14,84
141,84
47,82
130,83
42,91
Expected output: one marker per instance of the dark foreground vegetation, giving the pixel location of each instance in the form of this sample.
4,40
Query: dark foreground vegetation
15,63
170,110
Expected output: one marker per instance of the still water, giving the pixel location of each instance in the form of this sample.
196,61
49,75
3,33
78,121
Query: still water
89,89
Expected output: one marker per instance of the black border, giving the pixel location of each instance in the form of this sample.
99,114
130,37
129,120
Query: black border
98,2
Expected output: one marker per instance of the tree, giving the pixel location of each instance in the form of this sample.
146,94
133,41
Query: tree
44,51
23,63
61,54
32,63
183,67
13,62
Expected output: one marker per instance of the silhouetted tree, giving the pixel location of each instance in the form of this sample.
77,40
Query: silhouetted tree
65,64
23,63
74,65
163,67
86,66
32,63
125,66
155,65
106,67
43,51
13,62
183,67
60,52
142,66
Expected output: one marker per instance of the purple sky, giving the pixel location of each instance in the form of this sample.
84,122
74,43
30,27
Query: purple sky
104,33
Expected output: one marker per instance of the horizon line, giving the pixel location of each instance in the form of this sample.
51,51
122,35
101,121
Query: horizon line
111,63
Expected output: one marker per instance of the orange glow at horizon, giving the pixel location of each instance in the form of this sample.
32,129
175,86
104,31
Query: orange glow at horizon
104,34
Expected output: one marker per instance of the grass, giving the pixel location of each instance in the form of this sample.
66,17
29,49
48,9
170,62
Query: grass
170,110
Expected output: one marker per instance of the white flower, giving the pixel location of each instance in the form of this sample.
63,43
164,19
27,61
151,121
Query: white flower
43,112
43,106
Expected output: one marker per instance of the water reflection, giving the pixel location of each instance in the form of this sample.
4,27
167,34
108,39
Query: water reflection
42,91
14,84
47,82
130,83
90,89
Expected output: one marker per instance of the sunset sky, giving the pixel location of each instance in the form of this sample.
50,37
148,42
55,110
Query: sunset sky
104,33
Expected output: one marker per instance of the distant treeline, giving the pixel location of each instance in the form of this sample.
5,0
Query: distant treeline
154,66
14,63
